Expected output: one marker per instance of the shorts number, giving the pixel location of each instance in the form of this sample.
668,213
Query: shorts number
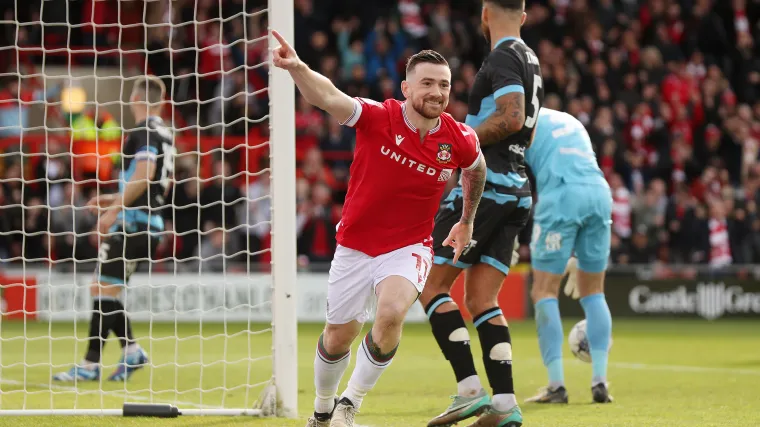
553,241
421,276
530,121
168,166
103,252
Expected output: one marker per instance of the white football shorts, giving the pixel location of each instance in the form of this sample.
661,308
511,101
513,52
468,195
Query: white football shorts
354,276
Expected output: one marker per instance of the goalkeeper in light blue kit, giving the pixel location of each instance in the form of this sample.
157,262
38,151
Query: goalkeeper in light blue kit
573,213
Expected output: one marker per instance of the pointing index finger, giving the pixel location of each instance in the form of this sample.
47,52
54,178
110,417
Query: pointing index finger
280,38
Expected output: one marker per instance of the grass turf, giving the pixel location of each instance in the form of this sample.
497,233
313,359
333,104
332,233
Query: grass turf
662,373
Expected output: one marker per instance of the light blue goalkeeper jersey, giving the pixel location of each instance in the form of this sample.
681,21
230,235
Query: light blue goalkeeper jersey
561,152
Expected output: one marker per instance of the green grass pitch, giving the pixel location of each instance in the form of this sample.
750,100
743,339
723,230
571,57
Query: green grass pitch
662,373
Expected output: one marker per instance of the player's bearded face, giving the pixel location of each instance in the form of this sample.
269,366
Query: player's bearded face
429,92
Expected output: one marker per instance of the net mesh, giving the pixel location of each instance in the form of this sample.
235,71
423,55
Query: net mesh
200,304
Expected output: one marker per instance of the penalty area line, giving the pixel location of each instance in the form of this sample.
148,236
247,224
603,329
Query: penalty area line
116,394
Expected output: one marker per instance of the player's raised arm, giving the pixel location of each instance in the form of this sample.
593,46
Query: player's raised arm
316,88
509,94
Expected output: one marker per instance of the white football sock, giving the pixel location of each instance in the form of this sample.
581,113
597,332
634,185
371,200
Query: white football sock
469,386
504,402
365,375
327,375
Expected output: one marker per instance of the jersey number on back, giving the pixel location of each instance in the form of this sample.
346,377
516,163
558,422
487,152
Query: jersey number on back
168,168
530,121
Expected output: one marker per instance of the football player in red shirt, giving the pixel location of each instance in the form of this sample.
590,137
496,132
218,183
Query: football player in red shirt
405,153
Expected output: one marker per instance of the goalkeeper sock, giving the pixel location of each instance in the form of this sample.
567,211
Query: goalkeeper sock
101,324
451,334
370,364
497,358
328,370
599,333
550,337
122,327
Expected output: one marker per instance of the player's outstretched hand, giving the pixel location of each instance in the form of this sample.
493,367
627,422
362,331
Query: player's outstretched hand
101,202
284,56
459,238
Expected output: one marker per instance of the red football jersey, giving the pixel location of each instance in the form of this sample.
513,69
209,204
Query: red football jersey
397,180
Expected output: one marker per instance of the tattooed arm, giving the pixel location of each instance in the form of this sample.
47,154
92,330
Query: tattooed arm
508,119
473,181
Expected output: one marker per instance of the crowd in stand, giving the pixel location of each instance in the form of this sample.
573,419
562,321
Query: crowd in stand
668,90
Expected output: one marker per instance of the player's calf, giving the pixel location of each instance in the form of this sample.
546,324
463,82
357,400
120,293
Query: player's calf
451,334
332,357
395,295
598,321
550,334
482,287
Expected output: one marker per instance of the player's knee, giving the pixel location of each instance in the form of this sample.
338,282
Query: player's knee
590,283
438,282
545,285
338,338
478,302
391,315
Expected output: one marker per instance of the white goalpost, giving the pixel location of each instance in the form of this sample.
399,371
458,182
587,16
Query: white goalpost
213,303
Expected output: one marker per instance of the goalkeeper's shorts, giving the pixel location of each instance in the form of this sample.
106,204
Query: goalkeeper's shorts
122,251
572,217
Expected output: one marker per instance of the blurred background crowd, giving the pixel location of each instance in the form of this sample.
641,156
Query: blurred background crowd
669,91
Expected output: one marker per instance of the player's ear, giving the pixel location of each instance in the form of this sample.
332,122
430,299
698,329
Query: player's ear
524,18
405,88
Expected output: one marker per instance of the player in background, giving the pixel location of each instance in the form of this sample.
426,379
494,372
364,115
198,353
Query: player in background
132,231
503,107
573,212
405,153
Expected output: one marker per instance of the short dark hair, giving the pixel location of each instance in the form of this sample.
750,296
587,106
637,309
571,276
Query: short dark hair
152,89
513,5
425,56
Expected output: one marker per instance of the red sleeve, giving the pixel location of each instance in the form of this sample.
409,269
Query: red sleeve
366,112
470,148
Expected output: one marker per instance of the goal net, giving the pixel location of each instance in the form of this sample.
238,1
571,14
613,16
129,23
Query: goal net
206,272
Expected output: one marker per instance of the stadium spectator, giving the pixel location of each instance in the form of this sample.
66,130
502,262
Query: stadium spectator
669,91
15,99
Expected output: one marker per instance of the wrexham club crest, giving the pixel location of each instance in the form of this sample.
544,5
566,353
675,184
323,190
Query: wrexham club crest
444,153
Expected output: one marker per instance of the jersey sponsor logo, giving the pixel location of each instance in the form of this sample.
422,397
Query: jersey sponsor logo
413,164
399,139
444,153
445,175
709,300
517,149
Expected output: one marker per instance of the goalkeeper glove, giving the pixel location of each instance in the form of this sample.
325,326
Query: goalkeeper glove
515,254
571,286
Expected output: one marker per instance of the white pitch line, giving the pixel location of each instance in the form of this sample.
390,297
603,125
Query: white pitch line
684,368
671,368
116,394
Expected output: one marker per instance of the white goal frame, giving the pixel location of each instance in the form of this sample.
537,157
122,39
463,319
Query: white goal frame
280,397
284,253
